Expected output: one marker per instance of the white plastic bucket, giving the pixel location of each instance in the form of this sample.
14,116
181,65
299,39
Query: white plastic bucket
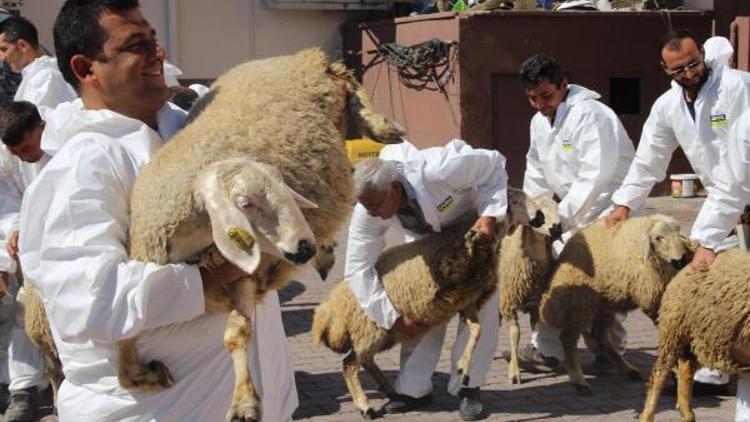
683,185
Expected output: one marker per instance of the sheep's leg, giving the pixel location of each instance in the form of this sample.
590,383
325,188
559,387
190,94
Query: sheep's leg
376,374
569,340
351,376
685,372
514,331
600,331
659,374
135,377
471,318
245,404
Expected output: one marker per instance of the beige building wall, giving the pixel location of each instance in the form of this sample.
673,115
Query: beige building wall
206,37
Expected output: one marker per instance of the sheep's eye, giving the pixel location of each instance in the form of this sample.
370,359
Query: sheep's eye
659,238
244,203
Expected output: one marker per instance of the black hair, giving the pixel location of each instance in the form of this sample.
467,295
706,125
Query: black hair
77,31
672,40
539,67
17,118
18,28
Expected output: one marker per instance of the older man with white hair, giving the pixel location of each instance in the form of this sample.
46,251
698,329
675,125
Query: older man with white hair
422,192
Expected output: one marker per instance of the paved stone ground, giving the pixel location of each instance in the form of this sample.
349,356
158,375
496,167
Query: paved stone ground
323,395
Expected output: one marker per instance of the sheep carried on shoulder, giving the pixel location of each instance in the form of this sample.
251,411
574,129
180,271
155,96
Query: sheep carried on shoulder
258,177
431,279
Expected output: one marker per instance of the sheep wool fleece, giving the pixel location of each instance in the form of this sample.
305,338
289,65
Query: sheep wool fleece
75,224
449,183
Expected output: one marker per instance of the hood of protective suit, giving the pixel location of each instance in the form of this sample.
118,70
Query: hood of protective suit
577,93
70,119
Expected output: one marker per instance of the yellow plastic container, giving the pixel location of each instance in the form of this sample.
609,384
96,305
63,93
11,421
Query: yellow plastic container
362,149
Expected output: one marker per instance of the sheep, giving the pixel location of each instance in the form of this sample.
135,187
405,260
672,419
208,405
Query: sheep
430,279
39,333
603,271
703,319
269,132
525,266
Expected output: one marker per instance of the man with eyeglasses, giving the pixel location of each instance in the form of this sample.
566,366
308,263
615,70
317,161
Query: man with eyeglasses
705,99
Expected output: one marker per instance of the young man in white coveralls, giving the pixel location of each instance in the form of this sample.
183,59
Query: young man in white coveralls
579,152
74,225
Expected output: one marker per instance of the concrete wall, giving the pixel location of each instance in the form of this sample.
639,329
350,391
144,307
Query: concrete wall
204,38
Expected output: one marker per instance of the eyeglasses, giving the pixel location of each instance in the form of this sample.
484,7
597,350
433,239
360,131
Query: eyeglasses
682,69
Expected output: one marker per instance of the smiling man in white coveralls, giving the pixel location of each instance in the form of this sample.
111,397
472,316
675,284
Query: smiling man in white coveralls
580,153
421,192
74,225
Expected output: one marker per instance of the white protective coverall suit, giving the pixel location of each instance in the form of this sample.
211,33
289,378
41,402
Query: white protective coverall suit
720,103
582,158
75,221
449,183
43,85
718,216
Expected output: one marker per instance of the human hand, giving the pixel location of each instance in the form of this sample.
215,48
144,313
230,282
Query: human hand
485,226
12,246
411,326
703,258
621,213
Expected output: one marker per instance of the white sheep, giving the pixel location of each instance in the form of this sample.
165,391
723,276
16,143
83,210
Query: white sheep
430,279
39,333
605,271
704,320
267,130
525,267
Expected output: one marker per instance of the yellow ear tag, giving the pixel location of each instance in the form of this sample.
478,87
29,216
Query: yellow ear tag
241,238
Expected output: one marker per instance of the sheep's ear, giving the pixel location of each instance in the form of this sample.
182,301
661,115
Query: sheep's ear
302,201
233,234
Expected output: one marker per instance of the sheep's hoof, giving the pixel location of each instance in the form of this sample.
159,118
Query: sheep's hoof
151,378
369,414
583,390
514,378
634,375
646,418
244,410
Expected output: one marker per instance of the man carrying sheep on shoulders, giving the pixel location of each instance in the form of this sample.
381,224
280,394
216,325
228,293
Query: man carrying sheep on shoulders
579,152
74,234
421,192
705,99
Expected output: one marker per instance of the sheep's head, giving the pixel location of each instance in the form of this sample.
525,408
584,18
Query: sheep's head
252,211
537,213
661,239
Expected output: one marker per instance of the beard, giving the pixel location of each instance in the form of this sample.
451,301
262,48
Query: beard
695,86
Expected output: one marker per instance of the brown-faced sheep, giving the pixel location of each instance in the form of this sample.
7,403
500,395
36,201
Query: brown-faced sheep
430,279
276,122
704,320
525,266
604,271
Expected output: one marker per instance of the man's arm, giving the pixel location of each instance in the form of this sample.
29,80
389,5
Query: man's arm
10,206
596,148
649,166
729,195
74,225
365,243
